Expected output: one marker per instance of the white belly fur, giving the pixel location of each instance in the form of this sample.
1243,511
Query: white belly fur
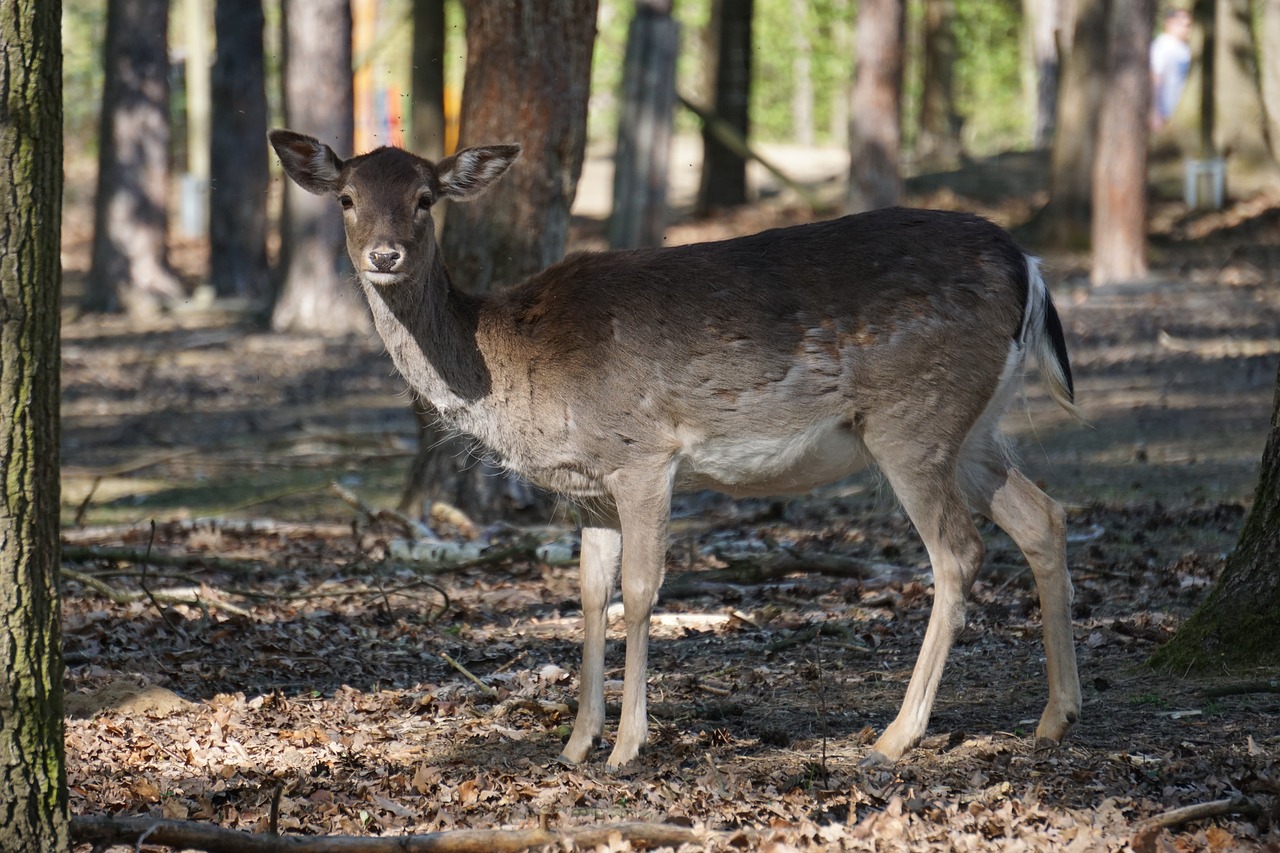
770,465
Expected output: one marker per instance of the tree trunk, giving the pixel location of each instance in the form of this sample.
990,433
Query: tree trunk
1064,221
520,227
802,72
641,159
1041,31
33,808
237,155
130,266
1238,625
724,171
427,136
875,127
316,293
1120,167
1240,120
939,138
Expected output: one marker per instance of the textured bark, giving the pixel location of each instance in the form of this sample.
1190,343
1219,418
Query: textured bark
802,74
238,154
939,138
316,291
875,124
1120,167
1238,625
527,80
428,136
724,171
130,267
1064,221
33,805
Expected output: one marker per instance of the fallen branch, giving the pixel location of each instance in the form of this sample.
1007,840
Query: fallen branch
1201,811
92,553
162,596
1242,687
470,676
371,515
181,834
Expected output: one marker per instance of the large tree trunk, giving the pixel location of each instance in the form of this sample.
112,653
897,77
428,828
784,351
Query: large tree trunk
317,294
130,266
527,80
1238,625
939,138
1065,220
641,159
237,155
875,125
802,71
33,806
1120,166
428,127
724,171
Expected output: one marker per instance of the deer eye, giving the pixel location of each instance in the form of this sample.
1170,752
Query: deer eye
345,201
425,201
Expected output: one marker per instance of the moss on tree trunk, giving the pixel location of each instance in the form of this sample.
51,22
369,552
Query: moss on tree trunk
1238,625
33,785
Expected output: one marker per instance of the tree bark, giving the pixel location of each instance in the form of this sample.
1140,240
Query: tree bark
316,293
527,80
428,129
802,72
939,138
33,808
238,155
641,159
875,126
1065,221
724,171
1120,167
1238,625
130,266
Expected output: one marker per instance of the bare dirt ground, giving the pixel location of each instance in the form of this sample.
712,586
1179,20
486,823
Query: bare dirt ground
309,665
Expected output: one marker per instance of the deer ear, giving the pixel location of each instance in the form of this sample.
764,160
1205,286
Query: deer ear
311,163
470,172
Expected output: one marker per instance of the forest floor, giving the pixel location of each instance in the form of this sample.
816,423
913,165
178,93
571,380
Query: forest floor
267,646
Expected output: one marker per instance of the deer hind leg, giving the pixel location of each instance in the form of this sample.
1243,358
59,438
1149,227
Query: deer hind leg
1037,524
598,567
644,508
932,499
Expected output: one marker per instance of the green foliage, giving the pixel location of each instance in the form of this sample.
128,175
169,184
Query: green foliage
84,24
988,78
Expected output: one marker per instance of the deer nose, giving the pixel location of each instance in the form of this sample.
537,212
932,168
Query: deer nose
384,261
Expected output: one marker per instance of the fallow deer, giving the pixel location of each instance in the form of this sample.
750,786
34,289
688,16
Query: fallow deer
766,364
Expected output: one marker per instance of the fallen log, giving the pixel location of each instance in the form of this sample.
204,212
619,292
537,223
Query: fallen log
192,835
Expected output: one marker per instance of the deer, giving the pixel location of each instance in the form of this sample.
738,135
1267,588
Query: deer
761,365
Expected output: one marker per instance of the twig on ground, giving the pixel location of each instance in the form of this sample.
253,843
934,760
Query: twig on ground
84,554
491,692
1242,687
825,629
87,829
752,570
1201,811
371,515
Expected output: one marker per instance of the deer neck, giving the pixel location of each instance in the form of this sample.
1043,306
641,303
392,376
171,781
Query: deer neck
430,330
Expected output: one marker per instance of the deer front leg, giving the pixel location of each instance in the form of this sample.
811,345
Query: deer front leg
644,512
598,567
